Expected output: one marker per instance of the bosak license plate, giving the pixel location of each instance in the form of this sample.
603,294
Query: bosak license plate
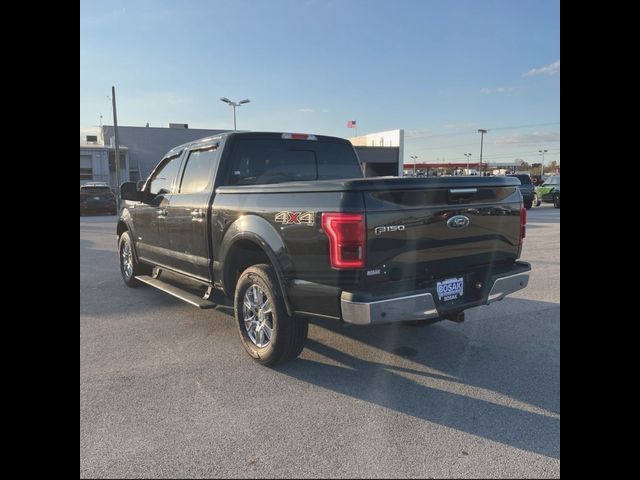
450,289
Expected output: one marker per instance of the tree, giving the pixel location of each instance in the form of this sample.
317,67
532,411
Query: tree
535,169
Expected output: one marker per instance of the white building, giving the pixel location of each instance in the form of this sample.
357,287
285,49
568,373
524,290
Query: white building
97,162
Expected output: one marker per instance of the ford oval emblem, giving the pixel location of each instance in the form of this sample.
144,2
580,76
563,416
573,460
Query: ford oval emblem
458,222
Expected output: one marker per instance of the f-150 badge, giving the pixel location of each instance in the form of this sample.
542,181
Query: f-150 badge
295,218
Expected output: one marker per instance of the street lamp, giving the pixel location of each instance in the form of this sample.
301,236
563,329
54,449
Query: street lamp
467,155
481,131
234,105
542,152
414,158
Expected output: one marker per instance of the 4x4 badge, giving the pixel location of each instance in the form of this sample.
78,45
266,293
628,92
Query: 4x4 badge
295,218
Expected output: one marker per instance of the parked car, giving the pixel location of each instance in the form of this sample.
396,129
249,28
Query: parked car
549,191
283,227
526,189
97,197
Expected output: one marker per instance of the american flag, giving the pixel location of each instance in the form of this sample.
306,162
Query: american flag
351,124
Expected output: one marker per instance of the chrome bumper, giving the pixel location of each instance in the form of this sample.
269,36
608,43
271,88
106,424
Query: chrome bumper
421,306
505,285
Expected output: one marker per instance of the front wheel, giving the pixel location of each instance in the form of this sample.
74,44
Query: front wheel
536,201
267,332
528,204
129,267
556,201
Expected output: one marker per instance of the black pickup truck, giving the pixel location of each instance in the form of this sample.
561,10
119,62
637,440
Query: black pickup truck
284,227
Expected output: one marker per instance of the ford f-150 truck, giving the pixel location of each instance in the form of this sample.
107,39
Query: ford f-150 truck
283,227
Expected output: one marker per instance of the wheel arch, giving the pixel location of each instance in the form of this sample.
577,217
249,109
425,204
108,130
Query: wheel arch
122,227
249,241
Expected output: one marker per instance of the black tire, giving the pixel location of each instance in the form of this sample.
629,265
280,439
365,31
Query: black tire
556,201
288,334
128,276
528,204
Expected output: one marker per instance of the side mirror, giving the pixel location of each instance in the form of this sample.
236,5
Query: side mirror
129,191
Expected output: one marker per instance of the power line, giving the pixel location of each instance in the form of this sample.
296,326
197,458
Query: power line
515,155
456,134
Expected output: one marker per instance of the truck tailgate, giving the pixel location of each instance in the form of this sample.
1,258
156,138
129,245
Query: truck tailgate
433,229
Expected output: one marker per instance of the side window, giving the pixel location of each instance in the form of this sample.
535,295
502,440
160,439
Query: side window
163,178
196,174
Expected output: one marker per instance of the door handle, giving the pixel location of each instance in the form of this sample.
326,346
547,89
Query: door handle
197,215
162,212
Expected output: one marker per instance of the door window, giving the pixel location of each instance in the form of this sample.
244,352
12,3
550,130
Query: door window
164,177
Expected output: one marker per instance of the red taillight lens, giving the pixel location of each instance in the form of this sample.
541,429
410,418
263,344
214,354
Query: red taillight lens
347,238
523,222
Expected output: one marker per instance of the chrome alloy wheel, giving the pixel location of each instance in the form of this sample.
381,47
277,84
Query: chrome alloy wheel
127,260
257,316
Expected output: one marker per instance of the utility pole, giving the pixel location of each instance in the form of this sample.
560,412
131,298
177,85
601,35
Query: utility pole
117,152
414,158
542,152
481,131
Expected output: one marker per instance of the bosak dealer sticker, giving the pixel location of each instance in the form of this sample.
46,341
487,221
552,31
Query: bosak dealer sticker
295,218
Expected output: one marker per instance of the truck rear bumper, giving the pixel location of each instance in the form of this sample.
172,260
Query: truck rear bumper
423,305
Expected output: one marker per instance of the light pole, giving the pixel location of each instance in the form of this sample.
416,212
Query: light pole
234,105
542,152
481,131
467,155
414,158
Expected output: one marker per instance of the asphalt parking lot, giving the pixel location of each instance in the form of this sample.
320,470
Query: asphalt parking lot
166,390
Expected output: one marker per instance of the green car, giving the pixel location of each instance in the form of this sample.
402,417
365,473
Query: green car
549,192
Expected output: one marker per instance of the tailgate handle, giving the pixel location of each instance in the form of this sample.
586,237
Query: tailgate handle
463,190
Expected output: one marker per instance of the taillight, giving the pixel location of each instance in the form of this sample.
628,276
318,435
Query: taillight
347,238
523,222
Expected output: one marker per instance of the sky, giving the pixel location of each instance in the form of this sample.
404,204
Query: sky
439,69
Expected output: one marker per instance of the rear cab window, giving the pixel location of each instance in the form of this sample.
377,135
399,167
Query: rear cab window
98,191
256,161
95,189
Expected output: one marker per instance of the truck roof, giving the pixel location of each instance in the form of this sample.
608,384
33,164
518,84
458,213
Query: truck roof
203,142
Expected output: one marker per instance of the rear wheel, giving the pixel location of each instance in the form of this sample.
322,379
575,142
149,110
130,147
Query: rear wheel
267,332
536,201
129,267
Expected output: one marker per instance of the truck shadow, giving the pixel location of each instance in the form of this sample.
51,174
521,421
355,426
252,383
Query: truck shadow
503,385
